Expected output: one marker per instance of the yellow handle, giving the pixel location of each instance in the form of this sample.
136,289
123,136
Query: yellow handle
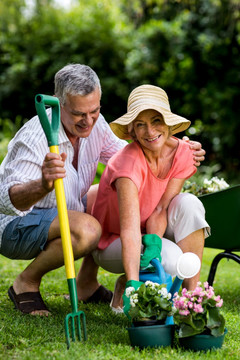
64,223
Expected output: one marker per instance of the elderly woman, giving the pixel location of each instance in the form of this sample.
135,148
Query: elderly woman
139,191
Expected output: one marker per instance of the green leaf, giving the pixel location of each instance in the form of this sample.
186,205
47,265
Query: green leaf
187,330
215,319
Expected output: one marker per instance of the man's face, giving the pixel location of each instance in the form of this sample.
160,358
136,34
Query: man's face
79,114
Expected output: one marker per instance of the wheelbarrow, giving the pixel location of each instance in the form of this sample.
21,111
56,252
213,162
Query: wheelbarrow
223,214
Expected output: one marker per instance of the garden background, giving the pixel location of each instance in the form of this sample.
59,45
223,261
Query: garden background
191,48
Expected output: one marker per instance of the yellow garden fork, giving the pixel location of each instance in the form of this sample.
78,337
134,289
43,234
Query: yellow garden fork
51,130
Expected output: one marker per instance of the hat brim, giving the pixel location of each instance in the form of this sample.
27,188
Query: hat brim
120,125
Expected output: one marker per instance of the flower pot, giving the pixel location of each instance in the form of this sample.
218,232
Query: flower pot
202,342
151,336
150,322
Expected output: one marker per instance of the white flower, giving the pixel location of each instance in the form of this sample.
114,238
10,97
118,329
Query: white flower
135,297
215,184
132,303
134,300
164,293
207,182
129,291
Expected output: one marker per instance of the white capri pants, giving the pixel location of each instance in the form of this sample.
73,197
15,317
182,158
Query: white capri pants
186,214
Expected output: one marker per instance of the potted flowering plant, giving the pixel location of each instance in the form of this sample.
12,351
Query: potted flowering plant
151,301
150,306
198,312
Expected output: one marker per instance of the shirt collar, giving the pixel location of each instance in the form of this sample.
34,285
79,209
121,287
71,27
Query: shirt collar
62,137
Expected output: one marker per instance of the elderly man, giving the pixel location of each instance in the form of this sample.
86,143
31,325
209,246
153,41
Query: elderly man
29,224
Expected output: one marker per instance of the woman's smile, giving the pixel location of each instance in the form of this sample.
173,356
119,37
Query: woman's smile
153,138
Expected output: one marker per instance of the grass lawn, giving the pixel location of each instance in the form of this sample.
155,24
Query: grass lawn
26,337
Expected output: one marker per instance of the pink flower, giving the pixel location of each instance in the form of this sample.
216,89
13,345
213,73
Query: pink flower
197,291
206,285
219,303
197,308
184,292
196,302
190,305
184,312
181,302
210,293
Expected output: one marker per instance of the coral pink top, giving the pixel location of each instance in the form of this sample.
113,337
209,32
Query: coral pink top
130,162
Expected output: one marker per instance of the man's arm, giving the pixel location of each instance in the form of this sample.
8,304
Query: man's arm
110,142
23,196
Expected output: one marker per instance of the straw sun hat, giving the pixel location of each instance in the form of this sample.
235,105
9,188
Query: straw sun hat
146,97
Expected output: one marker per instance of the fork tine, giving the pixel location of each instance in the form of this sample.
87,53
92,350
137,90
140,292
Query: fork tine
79,316
67,331
79,326
73,327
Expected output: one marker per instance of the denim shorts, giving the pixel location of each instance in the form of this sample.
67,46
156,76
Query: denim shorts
25,237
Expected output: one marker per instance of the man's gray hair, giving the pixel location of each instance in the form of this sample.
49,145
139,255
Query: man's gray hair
75,79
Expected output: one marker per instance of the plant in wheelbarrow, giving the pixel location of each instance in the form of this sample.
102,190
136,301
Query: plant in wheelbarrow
197,314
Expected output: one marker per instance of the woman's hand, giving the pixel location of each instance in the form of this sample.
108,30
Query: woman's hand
198,153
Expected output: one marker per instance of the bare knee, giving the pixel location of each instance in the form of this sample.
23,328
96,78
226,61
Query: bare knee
85,234
194,242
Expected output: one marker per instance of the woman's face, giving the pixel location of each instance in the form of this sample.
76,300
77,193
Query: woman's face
150,130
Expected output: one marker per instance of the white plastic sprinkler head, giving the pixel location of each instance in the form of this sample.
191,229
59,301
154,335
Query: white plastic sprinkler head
188,265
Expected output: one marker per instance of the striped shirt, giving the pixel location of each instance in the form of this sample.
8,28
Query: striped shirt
26,152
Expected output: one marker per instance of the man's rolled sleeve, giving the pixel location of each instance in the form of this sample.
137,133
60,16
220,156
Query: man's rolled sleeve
6,206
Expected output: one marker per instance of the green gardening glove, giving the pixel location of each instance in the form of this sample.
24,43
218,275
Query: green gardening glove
152,250
126,298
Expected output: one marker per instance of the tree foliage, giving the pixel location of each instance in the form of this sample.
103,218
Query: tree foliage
193,53
37,43
190,48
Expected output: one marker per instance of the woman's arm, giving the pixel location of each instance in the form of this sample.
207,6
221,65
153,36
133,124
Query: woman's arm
130,226
157,222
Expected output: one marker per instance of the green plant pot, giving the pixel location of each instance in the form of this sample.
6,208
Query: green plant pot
202,342
147,323
151,336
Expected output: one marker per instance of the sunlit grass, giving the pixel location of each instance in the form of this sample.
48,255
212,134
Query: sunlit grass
25,337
